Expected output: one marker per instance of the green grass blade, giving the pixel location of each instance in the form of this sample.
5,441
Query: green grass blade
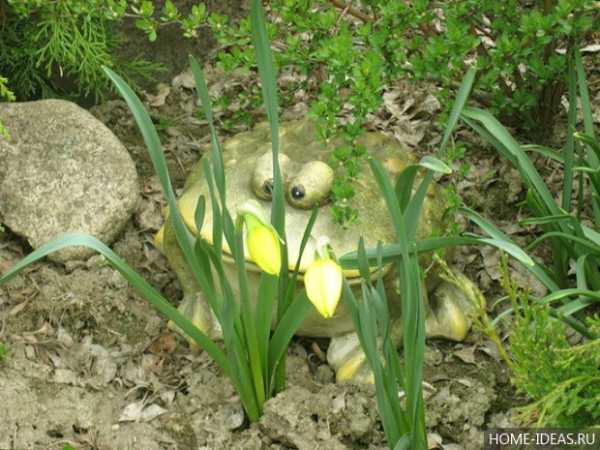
386,389
403,443
217,155
413,318
286,328
575,306
404,185
160,167
200,212
495,233
481,131
413,211
391,252
265,308
136,281
363,266
565,237
435,165
569,150
202,250
582,302
459,103
589,141
414,350
305,237
512,249
571,292
216,214
591,234
580,272
268,78
249,323
524,164
368,330
544,151
588,124
588,118
392,375
545,220
391,201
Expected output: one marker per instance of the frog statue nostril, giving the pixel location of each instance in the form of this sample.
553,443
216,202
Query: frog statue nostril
268,187
262,176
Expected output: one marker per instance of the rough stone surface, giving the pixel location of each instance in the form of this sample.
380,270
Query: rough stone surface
329,418
63,171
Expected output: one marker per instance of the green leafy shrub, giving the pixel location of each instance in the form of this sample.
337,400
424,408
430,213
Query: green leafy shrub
354,52
572,228
6,94
43,41
561,379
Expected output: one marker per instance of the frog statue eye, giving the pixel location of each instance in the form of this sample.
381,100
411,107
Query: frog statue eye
262,178
311,185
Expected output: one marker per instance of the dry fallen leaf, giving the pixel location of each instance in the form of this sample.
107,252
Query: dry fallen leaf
166,343
151,412
466,354
434,441
163,91
136,412
132,412
184,79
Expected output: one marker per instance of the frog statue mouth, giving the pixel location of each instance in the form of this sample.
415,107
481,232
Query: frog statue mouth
296,222
245,182
307,183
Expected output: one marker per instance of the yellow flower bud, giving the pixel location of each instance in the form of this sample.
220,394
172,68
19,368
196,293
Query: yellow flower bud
262,241
323,282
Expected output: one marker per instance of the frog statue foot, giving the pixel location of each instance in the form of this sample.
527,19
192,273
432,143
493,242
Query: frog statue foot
449,311
308,181
194,308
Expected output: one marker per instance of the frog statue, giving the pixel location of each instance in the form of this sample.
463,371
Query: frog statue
308,182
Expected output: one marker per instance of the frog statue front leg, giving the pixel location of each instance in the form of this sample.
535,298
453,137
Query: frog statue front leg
450,299
193,306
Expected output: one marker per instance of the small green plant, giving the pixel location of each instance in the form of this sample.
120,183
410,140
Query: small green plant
43,41
345,55
3,352
560,379
253,358
6,94
571,227
404,426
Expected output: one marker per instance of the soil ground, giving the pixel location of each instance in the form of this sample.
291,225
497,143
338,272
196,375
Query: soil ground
90,364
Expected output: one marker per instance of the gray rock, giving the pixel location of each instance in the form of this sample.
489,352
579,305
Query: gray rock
63,171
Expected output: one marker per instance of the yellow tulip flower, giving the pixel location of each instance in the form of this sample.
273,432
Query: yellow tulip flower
323,283
262,241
